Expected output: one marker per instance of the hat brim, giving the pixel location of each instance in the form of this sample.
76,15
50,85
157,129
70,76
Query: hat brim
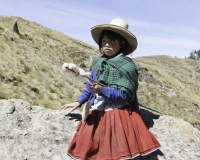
131,39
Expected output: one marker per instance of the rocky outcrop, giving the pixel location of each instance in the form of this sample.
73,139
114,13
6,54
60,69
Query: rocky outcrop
34,133
15,28
179,140
30,132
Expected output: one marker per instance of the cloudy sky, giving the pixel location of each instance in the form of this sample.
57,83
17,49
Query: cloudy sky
162,27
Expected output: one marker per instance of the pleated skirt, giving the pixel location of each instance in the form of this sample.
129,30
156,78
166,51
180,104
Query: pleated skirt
112,135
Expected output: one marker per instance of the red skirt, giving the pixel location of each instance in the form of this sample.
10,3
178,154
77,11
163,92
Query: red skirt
112,135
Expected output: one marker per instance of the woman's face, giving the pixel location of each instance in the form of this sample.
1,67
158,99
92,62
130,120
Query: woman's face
110,47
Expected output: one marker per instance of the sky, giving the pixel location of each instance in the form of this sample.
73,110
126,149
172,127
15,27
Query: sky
162,27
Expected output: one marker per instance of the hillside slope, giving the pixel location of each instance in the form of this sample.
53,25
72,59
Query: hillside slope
30,65
30,69
171,86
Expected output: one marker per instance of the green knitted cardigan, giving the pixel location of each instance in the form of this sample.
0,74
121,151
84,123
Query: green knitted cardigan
119,72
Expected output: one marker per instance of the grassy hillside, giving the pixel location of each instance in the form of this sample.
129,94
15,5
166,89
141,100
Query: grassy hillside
30,64
30,69
171,86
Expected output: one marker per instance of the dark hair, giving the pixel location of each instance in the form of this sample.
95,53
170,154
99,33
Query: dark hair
114,36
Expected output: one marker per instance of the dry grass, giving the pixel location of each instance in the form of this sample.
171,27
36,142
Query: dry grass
30,69
171,86
30,64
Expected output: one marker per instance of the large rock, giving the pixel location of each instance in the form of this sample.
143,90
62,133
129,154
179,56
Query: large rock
178,139
34,133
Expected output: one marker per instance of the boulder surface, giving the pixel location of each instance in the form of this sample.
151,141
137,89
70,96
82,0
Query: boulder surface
30,132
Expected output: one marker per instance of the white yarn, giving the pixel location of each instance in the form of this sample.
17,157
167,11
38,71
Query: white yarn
79,72
74,68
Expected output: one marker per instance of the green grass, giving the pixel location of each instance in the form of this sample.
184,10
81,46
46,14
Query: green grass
30,69
167,85
30,65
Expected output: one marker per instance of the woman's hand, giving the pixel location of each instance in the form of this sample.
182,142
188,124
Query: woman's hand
74,106
95,88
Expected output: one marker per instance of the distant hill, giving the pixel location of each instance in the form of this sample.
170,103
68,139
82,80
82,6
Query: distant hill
30,69
171,86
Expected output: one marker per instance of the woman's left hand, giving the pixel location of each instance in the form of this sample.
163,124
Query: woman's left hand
95,88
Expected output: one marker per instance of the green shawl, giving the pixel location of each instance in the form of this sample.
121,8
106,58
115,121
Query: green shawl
119,72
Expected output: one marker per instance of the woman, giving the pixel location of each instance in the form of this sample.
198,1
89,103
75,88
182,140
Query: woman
113,130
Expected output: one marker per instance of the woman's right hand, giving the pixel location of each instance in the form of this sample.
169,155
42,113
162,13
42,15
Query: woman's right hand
74,106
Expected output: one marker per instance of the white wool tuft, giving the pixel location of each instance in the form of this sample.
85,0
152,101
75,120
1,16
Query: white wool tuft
74,68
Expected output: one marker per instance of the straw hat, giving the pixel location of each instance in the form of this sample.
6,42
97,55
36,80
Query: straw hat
119,26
